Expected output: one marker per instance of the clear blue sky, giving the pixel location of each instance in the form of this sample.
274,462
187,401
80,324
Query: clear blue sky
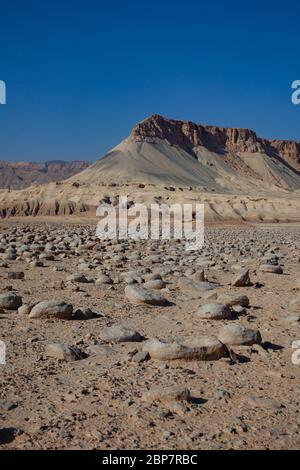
81,73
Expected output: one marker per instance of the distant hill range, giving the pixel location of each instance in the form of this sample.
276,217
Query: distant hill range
19,175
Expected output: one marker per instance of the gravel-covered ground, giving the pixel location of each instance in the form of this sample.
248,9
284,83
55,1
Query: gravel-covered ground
116,394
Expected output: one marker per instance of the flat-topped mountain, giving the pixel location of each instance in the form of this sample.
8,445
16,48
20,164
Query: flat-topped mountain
18,175
161,150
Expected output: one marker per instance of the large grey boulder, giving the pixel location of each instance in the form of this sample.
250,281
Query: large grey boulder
52,309
239,335
203,348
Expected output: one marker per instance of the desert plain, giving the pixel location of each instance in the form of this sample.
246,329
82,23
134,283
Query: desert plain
146,345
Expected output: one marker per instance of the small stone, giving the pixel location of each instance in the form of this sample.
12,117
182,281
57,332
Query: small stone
141,356
37,264
269,268
84,314
26,308
119,334
155,284
103,279
77,277
168,394
293,318
242,280
10,301
209,296
63,351
214,311
193,287
58,285
231,300
296,286
7,405
264,403
239,310
222,394
177,407
239,335
138,295
15,275
199,276
52,309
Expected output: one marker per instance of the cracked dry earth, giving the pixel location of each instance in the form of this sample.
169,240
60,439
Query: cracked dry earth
117,395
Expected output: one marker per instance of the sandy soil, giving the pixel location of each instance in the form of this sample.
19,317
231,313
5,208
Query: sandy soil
97,402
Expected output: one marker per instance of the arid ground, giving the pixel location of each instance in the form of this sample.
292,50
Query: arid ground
93,376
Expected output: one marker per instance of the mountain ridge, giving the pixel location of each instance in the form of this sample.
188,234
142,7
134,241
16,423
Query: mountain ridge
214,137
160,150
19,175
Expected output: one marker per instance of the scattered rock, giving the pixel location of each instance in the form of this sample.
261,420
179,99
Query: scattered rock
233,299
119,334
194,287
63,351
103,279
264,403
203,348
138,295
10,301
7,405
155,284
52,309
214,311
15,275
234,334
242,280
77,277
140,356
168,394
269,268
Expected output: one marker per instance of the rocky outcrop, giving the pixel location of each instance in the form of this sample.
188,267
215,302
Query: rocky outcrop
41,207
289,150
189,135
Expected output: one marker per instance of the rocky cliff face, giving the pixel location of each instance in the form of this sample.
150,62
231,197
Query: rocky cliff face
289,150
189,135
19,175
